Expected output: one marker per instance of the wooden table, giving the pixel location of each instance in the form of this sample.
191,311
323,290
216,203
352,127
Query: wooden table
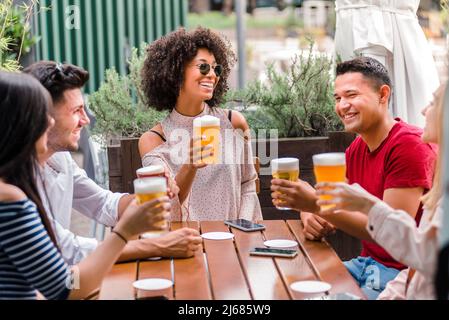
224,270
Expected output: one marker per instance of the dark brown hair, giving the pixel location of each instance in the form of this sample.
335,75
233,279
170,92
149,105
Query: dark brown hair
163,70
369,67
57,78
23,119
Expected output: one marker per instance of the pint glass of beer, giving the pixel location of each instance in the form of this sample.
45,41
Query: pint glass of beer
329,167
208,127
285,169
149,189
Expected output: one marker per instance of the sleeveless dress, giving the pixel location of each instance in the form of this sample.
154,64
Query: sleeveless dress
220,191
389,31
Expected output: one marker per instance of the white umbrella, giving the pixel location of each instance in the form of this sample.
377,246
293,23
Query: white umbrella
389,31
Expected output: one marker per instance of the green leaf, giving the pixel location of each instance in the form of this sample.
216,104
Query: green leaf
297,102
119,104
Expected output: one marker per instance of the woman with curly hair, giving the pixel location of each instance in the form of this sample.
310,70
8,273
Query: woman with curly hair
187,74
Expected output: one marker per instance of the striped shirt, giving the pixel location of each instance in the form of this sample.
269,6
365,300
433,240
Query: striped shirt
29,261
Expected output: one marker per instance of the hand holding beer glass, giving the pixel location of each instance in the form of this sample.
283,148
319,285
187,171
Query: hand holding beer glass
285,169
206,133
329,167
150,189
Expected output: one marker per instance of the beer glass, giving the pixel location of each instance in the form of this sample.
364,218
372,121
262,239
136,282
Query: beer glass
149,189
208,128
285,169
151,172
329,167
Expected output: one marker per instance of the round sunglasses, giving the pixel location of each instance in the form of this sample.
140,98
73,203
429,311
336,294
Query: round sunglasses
205,69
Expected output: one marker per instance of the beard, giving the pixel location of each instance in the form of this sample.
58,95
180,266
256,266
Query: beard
59,140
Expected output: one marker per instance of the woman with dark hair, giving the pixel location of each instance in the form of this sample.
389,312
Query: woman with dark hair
187,74
30,261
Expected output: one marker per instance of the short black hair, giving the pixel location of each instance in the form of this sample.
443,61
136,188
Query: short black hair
58,77
369,67
163,69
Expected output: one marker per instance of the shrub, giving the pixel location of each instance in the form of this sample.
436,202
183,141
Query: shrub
298,102
15,33
120,107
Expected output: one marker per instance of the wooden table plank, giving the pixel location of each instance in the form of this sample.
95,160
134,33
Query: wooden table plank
227,278
155,269
326,262
117,285
291,270
261,272
191,277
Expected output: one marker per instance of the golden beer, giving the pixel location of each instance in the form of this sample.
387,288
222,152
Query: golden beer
285,169
207,127
148,189
329,167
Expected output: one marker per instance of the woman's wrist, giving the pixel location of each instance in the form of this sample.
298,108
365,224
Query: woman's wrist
118,234
122,233
190,168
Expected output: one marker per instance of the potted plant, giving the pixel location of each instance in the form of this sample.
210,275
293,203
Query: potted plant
16,39
122,116
298,102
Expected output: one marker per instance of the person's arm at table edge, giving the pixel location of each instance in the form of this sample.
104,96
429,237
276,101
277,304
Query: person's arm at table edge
138,249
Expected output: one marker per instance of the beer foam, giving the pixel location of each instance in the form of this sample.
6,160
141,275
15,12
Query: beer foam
151,170
206,121
329,159
150,185
284,164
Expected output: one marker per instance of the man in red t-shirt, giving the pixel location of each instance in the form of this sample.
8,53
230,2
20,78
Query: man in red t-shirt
388,159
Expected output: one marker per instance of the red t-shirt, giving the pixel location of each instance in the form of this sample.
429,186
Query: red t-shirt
401,161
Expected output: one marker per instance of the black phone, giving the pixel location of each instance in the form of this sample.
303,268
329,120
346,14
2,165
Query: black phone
245,225
284,253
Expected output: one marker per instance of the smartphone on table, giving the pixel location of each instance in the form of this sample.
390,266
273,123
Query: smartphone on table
245,225
283,253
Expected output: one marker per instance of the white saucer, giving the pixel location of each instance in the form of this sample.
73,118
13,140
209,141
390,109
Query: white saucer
310,286
280,243
218,236
152,284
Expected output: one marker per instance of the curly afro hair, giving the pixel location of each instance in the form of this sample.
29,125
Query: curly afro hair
163,69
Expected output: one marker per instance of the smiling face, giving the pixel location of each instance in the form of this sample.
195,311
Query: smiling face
196,86
358,104
70,118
